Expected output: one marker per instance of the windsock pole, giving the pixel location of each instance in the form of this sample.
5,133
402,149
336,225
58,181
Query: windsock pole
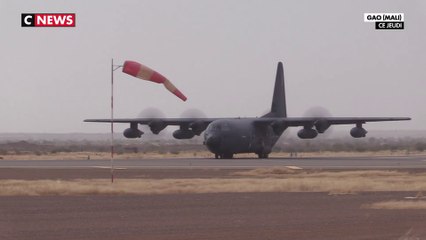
113,68
112,120
142,72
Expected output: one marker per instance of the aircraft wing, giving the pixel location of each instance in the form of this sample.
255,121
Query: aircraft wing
289,121
310,121
197,125
339,120
322,123
165,121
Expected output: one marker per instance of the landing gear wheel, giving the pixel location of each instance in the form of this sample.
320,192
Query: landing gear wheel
216,156
227,156
263,155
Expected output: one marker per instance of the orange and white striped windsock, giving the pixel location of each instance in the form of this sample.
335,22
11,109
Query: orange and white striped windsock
143,72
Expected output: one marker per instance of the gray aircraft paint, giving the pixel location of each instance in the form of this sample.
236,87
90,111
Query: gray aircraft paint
230,136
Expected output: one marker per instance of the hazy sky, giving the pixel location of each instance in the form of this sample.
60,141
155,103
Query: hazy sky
221,54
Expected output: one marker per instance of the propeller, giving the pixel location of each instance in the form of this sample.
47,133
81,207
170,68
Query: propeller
197,127
193,113
318,111
150,112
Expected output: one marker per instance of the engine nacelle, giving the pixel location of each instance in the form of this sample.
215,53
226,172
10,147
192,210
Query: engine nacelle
132,133
197,127
307,133
358,132
321,125
157,126
183,134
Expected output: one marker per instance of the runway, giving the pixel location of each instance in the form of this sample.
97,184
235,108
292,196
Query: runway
223,215
397,162
208,216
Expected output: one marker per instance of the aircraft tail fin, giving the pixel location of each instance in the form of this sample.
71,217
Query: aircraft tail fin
278,108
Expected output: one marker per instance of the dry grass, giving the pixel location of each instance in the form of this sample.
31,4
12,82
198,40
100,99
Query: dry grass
344,181
268,172
273,180
397,205
294,172
383,153
104,155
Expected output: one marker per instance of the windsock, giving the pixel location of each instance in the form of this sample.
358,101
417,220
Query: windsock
143,72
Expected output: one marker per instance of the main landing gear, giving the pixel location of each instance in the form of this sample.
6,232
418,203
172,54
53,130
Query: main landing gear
224,156
230,155
263,155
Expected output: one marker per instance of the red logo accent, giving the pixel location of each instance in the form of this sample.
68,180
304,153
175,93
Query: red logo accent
54,20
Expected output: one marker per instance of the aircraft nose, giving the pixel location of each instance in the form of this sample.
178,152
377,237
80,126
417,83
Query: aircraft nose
213,142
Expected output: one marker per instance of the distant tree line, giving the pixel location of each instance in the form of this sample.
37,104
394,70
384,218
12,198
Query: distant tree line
176,146
352,145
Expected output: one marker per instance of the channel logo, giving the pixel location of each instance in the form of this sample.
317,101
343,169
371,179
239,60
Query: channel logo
48,19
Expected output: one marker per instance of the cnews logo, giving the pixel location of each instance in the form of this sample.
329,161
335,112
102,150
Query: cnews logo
48,19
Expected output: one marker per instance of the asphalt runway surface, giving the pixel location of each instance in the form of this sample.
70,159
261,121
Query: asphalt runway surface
208,216
396,162
308,215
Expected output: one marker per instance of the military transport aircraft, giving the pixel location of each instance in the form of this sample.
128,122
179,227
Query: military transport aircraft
228,136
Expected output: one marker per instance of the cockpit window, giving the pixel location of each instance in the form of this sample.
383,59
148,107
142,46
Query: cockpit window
217,127
223,126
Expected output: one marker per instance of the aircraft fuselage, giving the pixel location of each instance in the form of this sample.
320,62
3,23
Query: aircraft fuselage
226,137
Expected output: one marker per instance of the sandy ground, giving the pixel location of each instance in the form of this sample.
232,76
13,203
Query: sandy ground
220,215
